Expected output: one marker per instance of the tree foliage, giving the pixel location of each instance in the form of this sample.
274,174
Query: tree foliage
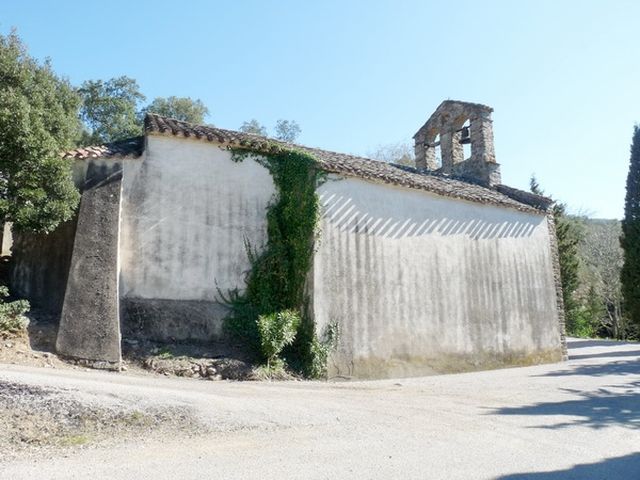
600,292
287,130
276,281
253,126
401,153
180,108
110,110
12,317
590,264
38,120
569,235
630,239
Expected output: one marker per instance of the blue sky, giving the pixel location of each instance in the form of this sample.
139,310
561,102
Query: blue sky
562,76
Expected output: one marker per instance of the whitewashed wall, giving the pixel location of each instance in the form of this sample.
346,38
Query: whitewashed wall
421,283
186,209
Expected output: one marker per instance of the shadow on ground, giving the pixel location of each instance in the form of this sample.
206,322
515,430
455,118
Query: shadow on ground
626,467
617,404
573,344
627,353
613,405
620,367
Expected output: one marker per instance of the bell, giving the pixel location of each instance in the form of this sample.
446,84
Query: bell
465,135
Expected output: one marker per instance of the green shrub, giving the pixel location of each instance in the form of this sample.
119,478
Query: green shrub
321,349
582,324
12,317
276,331
276,281
589,316
275,371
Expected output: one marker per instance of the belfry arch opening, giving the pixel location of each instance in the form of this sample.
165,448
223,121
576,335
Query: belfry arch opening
457,140
465,139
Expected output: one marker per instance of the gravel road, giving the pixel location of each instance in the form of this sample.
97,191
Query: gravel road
576,420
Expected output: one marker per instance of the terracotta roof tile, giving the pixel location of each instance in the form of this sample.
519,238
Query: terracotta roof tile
129,148
332,162
355,166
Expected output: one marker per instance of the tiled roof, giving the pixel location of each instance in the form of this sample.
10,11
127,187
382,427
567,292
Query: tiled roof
129,148
360,167
331,162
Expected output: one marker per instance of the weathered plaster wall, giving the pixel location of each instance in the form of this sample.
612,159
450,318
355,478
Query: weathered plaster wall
40,266
425,284
187,208
90,321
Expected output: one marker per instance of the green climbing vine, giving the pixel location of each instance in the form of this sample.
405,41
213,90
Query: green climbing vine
276,281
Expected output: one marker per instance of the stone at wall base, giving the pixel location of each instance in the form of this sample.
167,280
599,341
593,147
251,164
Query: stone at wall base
164,320
95,364
415,366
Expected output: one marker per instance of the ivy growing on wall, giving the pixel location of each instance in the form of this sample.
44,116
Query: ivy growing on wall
276,281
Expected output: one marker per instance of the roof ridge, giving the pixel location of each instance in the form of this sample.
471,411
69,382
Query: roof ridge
126,148
147,125
262,137
358,166
332,162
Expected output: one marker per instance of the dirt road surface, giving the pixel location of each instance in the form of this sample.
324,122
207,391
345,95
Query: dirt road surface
575,420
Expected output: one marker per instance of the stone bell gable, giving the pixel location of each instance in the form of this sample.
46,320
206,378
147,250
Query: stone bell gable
450,127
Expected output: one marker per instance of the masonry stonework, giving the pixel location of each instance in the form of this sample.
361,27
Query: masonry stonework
553,244
455,123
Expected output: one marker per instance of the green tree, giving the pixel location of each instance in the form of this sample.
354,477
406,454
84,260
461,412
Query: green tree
287,130
401,153
38,120
601,259
630,239
110,110
569,235
180,108
588,318
277,330
253,126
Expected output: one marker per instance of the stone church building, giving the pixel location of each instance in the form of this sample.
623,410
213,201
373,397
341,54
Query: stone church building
427,269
